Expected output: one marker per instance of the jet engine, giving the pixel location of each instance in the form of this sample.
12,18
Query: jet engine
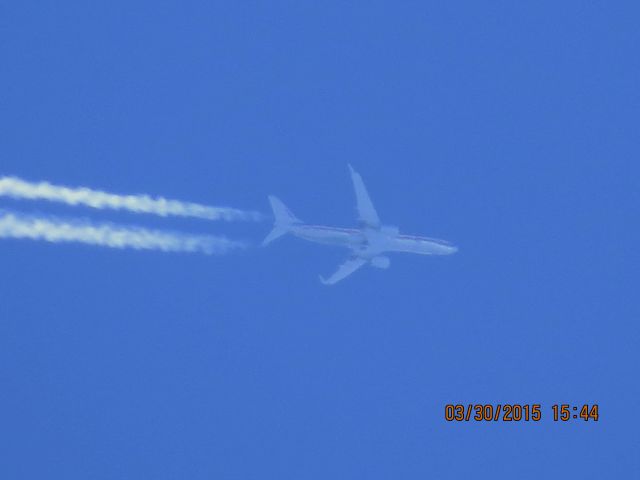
380,262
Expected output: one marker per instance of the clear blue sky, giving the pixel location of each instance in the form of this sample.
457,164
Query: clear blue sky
508,128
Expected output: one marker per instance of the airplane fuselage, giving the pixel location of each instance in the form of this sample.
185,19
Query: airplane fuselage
367,243
372,241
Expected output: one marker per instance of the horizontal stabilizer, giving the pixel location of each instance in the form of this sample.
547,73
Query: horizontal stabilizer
277,232
283,220
282,214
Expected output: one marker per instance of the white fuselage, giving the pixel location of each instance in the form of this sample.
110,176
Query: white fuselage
368,242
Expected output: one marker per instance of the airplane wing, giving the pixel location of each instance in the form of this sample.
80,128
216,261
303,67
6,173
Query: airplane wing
346,269
367,214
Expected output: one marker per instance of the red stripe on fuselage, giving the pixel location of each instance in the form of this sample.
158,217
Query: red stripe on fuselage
354,231
425,239
330,229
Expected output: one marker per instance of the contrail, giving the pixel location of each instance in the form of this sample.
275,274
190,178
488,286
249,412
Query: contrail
108,235
21,189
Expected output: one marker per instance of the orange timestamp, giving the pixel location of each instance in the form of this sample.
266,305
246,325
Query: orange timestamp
516,412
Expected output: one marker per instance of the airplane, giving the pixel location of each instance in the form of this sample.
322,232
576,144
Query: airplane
367,242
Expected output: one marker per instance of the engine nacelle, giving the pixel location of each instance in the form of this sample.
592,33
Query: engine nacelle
380,262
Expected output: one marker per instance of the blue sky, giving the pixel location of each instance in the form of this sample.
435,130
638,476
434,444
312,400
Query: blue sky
507,128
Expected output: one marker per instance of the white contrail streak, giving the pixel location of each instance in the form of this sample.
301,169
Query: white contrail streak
109,235
21,189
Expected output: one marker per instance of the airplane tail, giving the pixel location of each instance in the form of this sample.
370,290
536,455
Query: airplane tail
284,219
